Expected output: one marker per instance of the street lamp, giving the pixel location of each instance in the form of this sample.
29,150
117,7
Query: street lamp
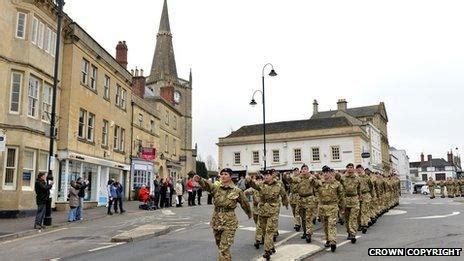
253,103
48,207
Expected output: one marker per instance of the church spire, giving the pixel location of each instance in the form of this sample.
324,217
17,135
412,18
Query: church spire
163,66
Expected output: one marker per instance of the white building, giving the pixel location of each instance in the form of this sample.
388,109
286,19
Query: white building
334,141
400,166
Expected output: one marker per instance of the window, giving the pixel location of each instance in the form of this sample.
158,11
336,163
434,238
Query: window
138,145
315,154
10,167
47,35
21,25
28,169
105,133
152,125
335,152
106,88
84,71
120,97
47,102
166,119
275,156
90,126
174,147
122,139
116,137
440,176
141,177
16,80
174,122
40,36
237,158
297,155
119,138
140,119
43,162
53,44
123,98
255,157
33,98
424,177
93,78
34,31
166,143
82,120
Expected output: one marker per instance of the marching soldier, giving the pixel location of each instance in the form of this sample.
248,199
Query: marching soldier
442,188
461,184
449,187
352,187
331,195
365,199
294,201
269,207
224,222
373,205
259,239
431,185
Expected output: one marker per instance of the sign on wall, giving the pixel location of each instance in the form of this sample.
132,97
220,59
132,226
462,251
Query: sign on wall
147,153
2,141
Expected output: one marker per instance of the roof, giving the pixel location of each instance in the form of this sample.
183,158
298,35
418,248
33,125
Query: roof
439,162
356,112
291,126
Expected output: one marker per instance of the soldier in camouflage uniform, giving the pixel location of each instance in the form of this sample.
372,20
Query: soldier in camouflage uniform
449,187
431,185
341,211
366,188
294,198
373,205
461,185
269,207
352,187
259,239
307,202
224,222
331,195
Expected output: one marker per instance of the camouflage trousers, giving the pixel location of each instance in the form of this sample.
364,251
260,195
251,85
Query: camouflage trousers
224,239
328,214
351,219
364,210
307,210
296,215
268,226
432,192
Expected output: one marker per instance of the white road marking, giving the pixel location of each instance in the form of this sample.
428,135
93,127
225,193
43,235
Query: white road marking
394,212
55,259
287,216
167,212
292,252
177,230
254,229
286,239
104,247
32,236
438,216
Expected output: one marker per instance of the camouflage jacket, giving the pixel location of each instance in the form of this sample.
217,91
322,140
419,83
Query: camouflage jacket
352,187
366,185
431,183
330,192
270,195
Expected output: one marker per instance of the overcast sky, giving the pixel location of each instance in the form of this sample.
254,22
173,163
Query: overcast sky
408,54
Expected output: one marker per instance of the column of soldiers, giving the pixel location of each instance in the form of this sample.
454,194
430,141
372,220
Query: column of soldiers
454,187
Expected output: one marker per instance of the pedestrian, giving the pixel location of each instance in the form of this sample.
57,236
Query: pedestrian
331,196
172,191
269,208
199,194
42,191
179,193
163,190
352,186
119,197
224,221
431,185
111,189
191,199
81,185
157,188
73,199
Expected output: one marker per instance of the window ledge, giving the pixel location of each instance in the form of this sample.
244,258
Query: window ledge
86,141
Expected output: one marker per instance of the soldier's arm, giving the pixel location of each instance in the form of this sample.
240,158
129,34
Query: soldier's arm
248,191
371,186
283,194
341,196
253,185
205,185
244,204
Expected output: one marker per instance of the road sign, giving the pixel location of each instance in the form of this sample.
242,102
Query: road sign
2,142
365,155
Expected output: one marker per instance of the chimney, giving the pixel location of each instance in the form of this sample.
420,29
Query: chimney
315,107
342,105
121,54
422,157
450,157
429,158
138,84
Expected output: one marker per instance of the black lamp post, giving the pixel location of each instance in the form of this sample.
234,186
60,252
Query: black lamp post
48,207
253,103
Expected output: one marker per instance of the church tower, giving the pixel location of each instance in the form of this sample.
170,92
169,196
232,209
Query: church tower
164,82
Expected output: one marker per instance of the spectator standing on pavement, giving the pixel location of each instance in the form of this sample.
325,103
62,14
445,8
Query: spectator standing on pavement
191,199
172,191
42,191
162,193
111,195
73,198
157,187
199,193
81,185
119,197
179,193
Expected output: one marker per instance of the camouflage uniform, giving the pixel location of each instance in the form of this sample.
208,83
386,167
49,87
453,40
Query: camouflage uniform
255,194
293,199
374,201
365,200
269,208
331,195
352,187
431,185
442,188
224,222
461,184
449,188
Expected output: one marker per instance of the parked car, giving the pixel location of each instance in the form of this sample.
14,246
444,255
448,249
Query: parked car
425,190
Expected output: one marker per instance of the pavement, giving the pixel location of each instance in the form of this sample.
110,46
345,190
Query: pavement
416,222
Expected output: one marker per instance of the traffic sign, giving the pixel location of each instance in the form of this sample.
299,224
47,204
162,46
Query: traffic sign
365,155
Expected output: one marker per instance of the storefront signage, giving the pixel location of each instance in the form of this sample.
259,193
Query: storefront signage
147,153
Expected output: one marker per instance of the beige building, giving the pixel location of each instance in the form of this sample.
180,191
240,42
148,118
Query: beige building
94,140
27,55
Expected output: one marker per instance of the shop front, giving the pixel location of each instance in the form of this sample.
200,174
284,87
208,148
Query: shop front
96,171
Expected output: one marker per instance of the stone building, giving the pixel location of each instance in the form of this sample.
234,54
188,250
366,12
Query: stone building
27,55
334,140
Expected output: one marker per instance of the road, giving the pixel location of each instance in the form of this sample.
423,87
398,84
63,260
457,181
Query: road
417,222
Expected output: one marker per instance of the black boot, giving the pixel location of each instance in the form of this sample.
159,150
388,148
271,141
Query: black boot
341,222
256,244
348,237
327,244
359,228
333,247
314,221
303,236
267,255
273,251
308,238
364,229
353,239
297,228
274,238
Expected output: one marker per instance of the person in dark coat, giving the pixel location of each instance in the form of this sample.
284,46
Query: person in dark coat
42,191
119,197
171,191
163,190
80,185
156,187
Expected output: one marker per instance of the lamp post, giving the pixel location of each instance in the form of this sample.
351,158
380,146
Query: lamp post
253,103
51,158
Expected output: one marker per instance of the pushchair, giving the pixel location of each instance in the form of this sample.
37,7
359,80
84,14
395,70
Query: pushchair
148,204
